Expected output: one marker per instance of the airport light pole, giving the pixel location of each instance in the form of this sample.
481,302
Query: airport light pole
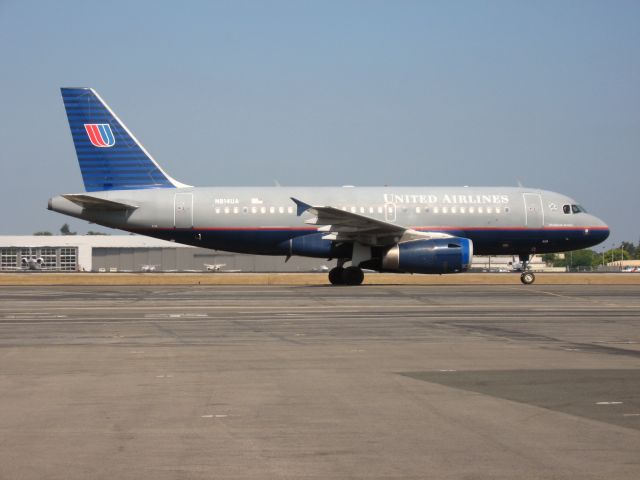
613,253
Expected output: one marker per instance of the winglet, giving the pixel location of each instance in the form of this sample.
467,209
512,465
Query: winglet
302,207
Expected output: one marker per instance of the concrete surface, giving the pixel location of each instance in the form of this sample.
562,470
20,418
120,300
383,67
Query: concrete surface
403,382
76,278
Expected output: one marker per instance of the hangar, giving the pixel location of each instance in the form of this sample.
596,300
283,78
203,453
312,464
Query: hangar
137,253
131,253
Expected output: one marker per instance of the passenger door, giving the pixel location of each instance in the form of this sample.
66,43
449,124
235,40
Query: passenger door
533,214
183,210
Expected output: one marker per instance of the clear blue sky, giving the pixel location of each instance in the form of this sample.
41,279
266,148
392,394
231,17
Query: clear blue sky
332,93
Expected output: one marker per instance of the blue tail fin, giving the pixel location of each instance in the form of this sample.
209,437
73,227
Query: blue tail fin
110,157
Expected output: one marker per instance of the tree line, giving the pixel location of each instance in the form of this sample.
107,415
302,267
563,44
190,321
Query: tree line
65,230
591,258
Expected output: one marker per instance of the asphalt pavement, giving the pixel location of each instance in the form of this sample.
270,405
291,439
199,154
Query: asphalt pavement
317,382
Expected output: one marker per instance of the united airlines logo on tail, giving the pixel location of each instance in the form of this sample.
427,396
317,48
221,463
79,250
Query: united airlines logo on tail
100,134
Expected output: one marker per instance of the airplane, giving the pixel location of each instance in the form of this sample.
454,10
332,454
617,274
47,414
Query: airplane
427,230
214,267
217,268
32,263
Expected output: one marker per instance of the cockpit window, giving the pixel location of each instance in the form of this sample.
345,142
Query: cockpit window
566,208
578,209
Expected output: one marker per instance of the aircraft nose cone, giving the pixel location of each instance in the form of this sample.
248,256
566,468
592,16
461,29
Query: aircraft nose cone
600,230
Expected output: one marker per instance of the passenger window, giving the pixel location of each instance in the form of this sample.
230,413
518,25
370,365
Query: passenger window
462,209
361,209
472,209
263,209
380,210
566,208
280,209
217,210
489,209
370,209
226,210
254,209
435,210
245,209
272,209
417,209
289,209
235,209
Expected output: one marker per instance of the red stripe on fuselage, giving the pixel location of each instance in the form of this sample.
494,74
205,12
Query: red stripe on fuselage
427,229
509,228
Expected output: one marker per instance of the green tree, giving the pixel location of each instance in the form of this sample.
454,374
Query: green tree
576,259
630,248
64,230
43,233
615,254
583,258
91,232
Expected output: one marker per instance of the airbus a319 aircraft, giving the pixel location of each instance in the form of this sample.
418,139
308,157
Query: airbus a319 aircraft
431,230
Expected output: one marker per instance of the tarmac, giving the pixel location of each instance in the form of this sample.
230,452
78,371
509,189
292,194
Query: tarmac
316,382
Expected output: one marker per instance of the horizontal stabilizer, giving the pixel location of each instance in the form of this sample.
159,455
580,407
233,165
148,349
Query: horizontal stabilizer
95,203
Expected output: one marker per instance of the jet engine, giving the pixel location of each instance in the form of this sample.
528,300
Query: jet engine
438,255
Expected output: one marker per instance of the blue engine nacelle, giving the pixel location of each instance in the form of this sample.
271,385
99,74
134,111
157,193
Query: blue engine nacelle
439,255
314,245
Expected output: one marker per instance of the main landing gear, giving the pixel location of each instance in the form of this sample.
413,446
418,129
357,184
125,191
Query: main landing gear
345,276
527,277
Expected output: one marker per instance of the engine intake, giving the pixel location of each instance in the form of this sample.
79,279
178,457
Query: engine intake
440,255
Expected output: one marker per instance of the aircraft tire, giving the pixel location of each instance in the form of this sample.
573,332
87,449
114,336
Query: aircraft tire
527,278
336,275
352,276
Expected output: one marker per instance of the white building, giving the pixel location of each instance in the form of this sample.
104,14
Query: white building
131,253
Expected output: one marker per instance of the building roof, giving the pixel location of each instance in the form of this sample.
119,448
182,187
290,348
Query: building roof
96,241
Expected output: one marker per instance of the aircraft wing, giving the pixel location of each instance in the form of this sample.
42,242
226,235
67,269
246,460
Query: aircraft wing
347,226
88,201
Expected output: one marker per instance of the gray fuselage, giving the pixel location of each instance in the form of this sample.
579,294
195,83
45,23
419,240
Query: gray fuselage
264,220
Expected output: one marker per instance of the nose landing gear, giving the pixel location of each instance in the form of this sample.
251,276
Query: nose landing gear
527,277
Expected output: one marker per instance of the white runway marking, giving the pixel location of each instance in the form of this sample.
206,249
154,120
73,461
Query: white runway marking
608,403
